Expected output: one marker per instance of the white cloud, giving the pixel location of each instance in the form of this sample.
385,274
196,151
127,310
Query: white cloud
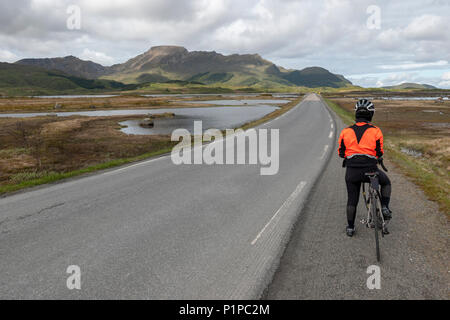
432,77
98,57
7,56
427,27
412,65
445,83
446,76
379,84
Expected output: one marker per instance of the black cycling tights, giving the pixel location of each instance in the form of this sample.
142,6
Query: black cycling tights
353,178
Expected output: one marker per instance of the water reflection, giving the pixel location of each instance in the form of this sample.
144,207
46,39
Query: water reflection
214,117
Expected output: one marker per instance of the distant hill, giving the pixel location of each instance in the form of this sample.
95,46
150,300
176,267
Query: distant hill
69,65
30,80
411,86
316,77
172,63
165,63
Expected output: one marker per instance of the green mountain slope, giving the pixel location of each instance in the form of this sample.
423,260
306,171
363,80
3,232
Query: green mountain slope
69,65
29,80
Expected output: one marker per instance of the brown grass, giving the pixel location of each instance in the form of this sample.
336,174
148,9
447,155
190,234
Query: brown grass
70,144
77,104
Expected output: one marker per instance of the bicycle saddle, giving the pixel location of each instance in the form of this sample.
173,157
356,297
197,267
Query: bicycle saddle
371,174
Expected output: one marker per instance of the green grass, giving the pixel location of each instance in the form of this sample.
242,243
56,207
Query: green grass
28,176
423,173
40,178
346,116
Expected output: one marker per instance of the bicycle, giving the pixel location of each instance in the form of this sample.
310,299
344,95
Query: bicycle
372,201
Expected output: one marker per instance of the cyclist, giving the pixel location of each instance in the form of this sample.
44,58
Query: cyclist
361,146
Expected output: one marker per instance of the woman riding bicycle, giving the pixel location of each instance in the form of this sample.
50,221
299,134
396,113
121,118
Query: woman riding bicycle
361,145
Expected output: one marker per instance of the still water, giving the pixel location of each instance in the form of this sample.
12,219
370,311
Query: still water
238,102
214,117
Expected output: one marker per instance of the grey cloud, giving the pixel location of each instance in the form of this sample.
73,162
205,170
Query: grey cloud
329,33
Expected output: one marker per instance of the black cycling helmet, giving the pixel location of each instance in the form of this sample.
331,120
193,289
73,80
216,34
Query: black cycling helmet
364,109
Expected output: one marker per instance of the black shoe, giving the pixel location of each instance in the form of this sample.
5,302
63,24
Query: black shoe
350,231
385,231
387,214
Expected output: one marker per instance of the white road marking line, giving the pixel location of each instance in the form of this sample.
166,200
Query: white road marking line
324,152
285,205
135,165
331,135
332,126
283,115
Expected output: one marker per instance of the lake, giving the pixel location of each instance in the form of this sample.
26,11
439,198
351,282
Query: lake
239,102
215,117
212,117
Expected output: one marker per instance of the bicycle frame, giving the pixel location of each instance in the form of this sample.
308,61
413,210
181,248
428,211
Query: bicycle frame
373,198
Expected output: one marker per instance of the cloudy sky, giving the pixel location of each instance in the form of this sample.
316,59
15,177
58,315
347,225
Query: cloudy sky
372,42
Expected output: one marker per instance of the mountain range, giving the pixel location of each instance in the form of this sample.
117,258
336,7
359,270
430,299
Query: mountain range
408,85
176,64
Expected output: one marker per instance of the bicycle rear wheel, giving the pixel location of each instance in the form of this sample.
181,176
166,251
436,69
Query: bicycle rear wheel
376,223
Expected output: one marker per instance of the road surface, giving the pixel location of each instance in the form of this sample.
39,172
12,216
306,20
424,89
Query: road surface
154,230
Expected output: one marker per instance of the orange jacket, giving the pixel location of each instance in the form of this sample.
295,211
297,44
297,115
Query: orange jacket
362,138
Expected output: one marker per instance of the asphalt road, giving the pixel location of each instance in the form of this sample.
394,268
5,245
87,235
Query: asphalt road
154,230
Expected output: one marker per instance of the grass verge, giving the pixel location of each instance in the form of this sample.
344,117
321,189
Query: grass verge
346,116
285,108
421,172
